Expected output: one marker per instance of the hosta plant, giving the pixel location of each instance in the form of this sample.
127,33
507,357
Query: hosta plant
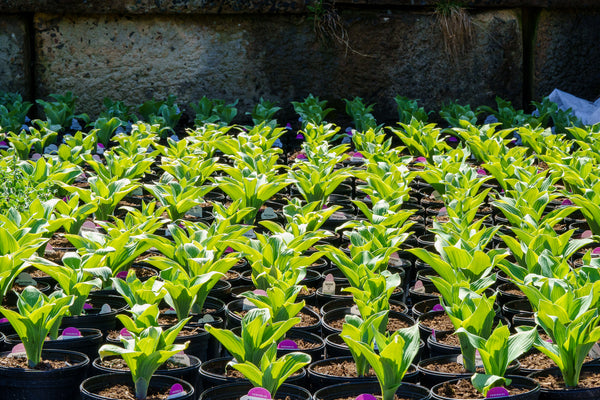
178,196
357,330
280,300
145,352
409,109
213,111
136,292
312,110
37,316
392,359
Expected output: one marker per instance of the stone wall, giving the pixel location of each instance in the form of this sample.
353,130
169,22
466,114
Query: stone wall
134,50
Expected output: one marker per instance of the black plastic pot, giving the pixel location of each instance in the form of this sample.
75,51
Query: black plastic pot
93,319
429,378
336,347
235,320
323,298
349,302
424,306
353,389
234,391
422,296
316,353
512,308
517,381
57,384
11,296
88,344
318,380
342,312
221,290
209,377
189,374
95,384
570,394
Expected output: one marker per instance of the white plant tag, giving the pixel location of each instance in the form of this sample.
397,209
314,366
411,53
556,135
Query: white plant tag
137,192
478,361
24,279
329,285
206,319
195,211
250,234
170,311
181,358
105,309
595,351
269,213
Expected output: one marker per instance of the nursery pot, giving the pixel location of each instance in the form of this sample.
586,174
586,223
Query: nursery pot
340,313
90,387
519,382
353,389
234,391
568,394
57,384
318,380
88,344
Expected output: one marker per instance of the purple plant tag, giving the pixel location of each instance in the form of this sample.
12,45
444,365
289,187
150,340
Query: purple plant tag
287,345
596,251
176,391
300,136
87,306
366,396
122,275
497,392
301,156
71,332
481,171
358,155
437,307
567,202
100,145
3,320
420,160
349,131
433,335
125,333
36,156
229,250
3,144
260,393
586,234
260,292
288,126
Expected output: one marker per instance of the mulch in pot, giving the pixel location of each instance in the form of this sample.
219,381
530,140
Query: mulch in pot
127,392
463,389
587,379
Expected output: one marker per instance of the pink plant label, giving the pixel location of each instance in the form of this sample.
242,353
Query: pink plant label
496,392
260,393
442,212
452,139
122,275
89,226
260,292
433,335
87,306
437,307
125,333
421,160
71,332
49,248
481,171
358,155
567,202
419,287
176,391
18,349
596,251
366,396
287,345
3,320
229,250
36,156
301,156
586,234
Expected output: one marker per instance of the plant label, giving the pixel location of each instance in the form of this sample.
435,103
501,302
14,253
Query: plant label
301,156
247,305
176,391
596,252
36,156
437,307
137,192
277,143
478,361
206,319
18,351
433,335
420,160
182,359
481,172
329,285
366,396
195,211
287,344
3,320
257,393
496,392
105,309
88,226
419,287
125,334
269,213
51,149
70,333
354,310
49,249
566,202
338,216
595,351
122,275
586,234
24,279
170,311
250,234
435,195
357,157
87,306
443,212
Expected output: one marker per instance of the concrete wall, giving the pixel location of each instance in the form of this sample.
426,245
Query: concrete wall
133,50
